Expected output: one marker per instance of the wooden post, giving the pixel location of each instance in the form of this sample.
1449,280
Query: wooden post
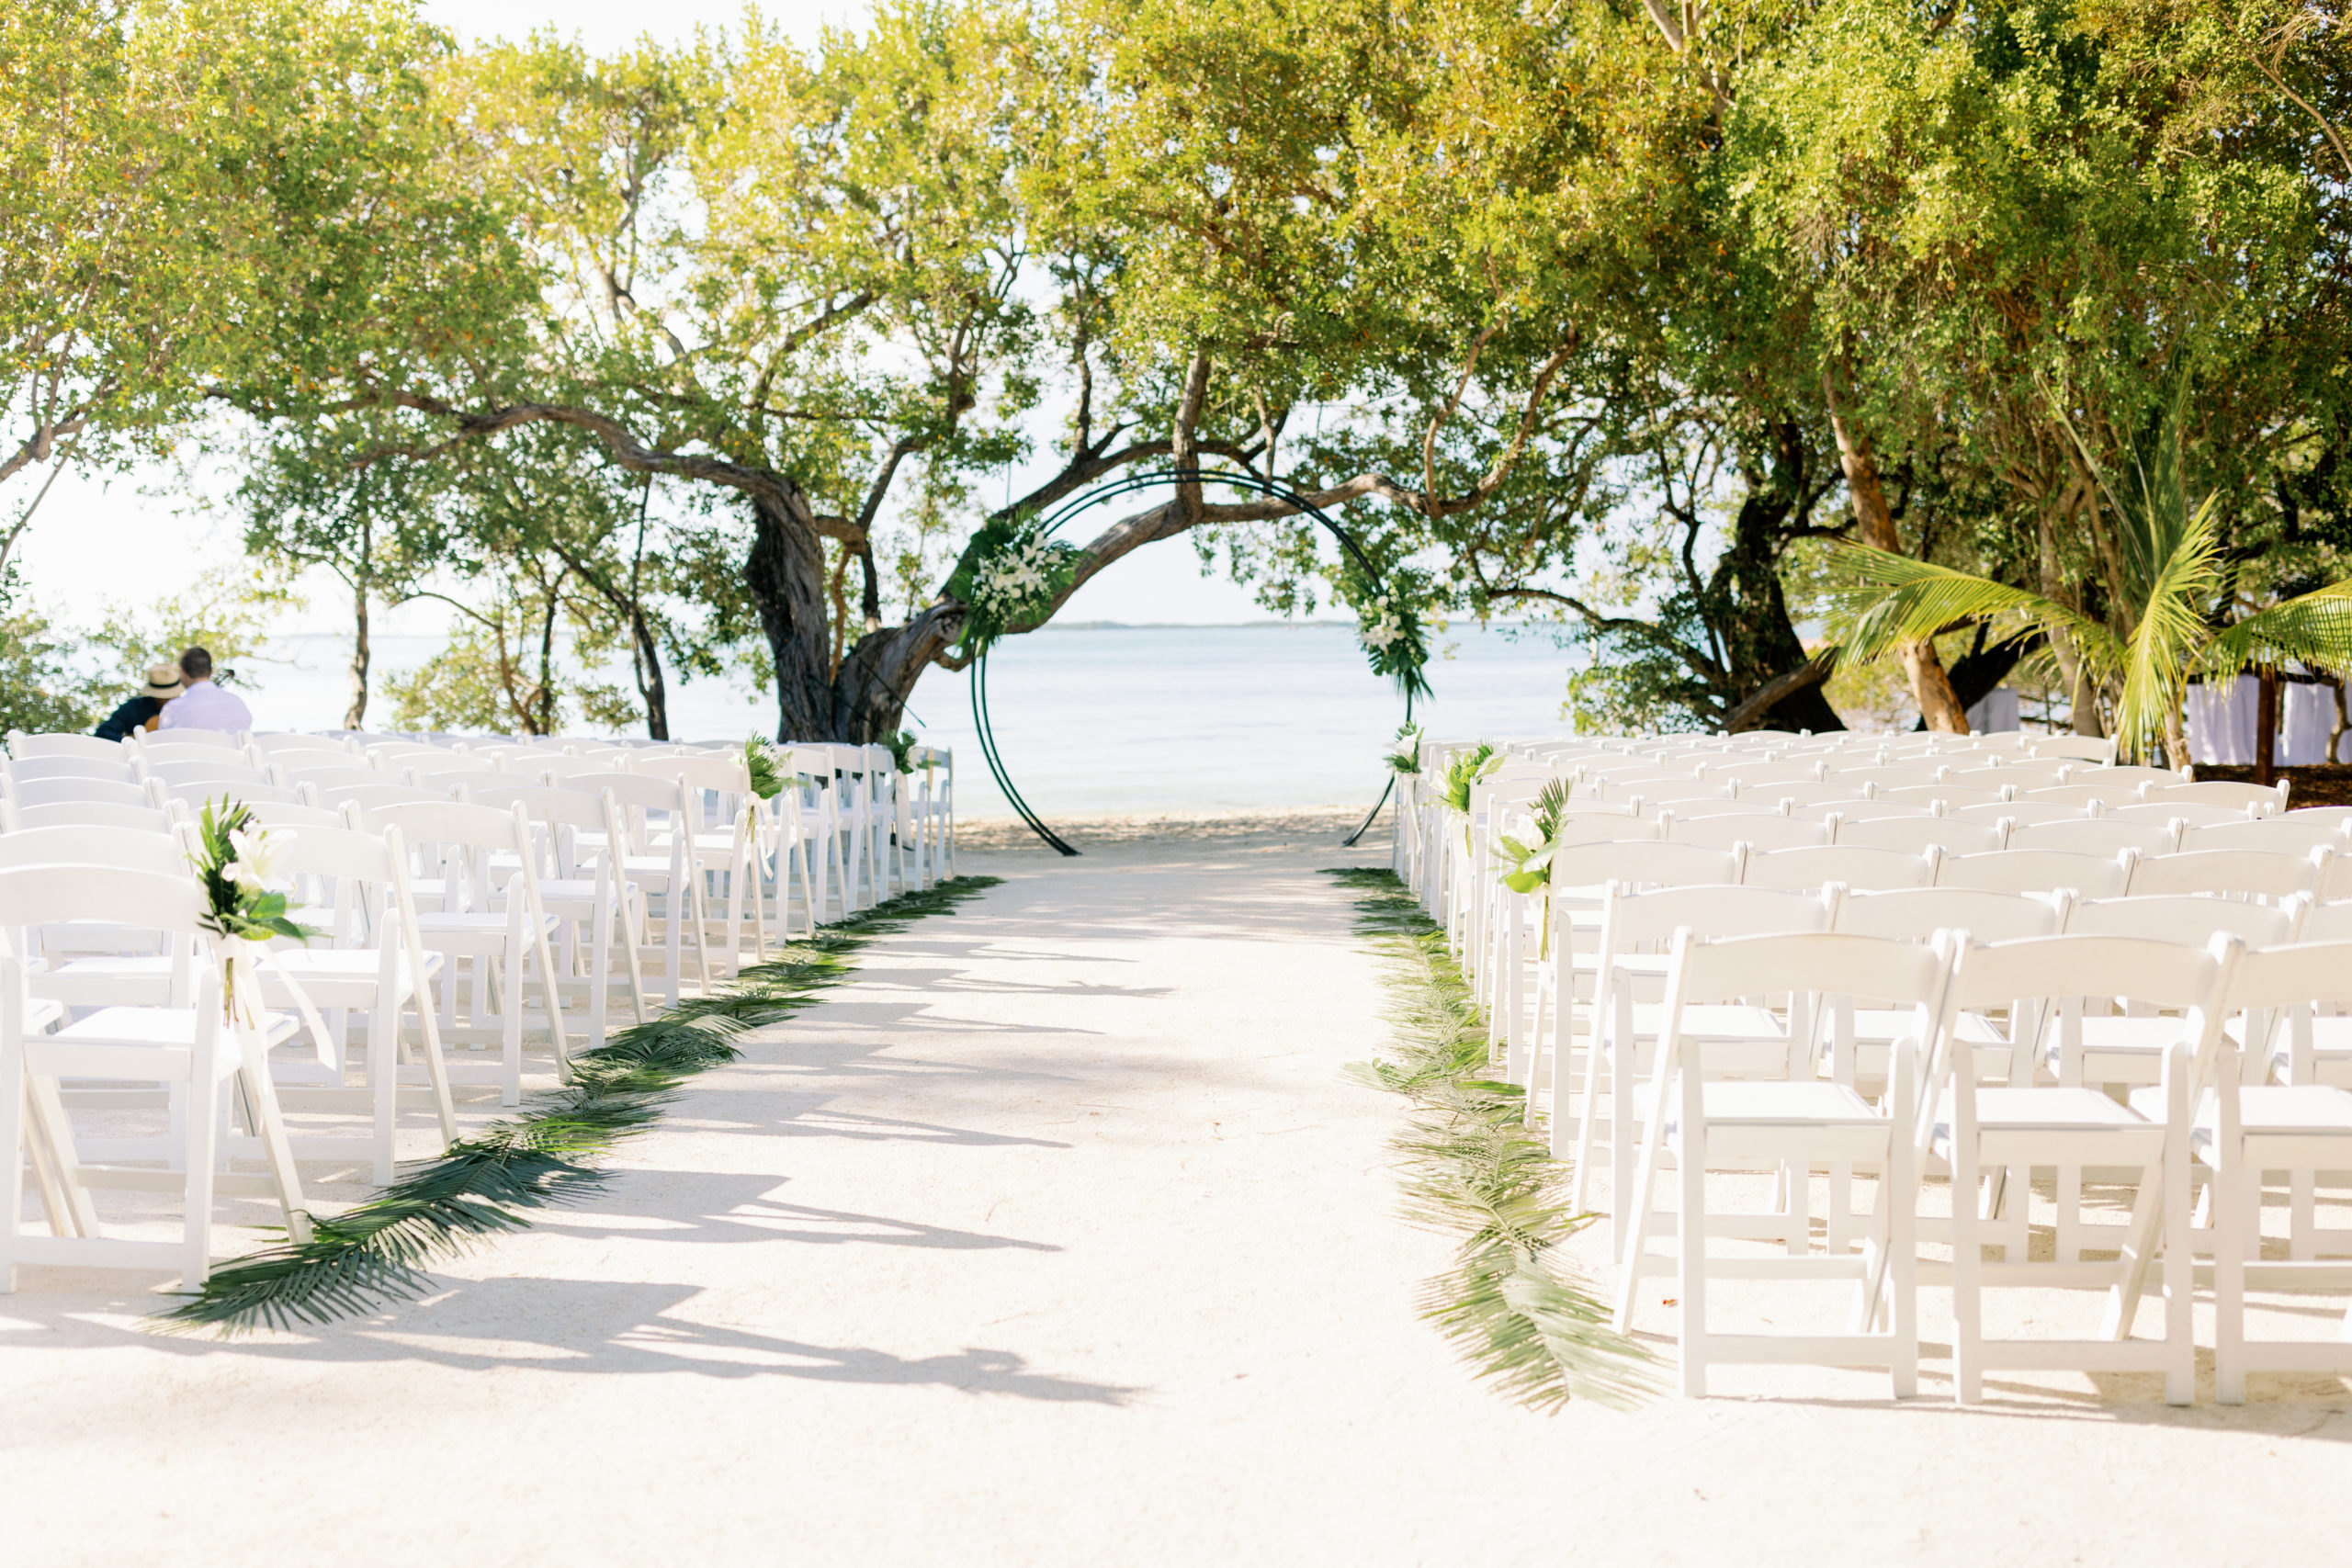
2266,726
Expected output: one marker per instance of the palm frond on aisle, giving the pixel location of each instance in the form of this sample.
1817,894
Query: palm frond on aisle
1513,1303
377,1252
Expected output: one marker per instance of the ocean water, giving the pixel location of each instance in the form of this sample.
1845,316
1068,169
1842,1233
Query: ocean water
1101,719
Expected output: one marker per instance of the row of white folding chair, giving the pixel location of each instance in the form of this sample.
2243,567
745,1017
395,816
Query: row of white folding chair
1632,855
2116,1051
2283,1118
339,853
1933,1110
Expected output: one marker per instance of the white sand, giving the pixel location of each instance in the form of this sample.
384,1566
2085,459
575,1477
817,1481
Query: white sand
1057,1237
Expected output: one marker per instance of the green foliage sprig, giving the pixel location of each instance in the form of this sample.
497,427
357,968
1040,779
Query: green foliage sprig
235,863
1464,768
902,745
1529,866
1406,759
759,761
1511,1304
487,1185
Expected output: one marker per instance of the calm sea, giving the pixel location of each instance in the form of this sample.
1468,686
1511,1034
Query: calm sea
1094,719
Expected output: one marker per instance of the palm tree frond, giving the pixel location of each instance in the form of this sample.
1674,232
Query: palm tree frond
2171,630
2312,629
1881,600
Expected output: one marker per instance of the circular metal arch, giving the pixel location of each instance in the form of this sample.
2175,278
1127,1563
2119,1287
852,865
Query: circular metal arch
1128,484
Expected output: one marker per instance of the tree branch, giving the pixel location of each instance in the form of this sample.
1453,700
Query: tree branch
1752,709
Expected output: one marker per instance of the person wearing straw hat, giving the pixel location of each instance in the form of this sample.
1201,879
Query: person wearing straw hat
142,712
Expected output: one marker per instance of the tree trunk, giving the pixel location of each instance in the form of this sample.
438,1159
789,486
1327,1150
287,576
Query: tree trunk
543,700
1940,708
1748,608
2082,691
2266,726
354,715
784,576
651,689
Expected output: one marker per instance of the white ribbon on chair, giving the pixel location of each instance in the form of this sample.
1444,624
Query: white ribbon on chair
241,1005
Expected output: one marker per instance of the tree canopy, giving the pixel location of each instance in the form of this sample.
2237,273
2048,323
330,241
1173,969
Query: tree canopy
1628,321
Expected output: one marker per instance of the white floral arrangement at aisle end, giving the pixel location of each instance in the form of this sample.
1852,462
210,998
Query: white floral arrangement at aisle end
1021,581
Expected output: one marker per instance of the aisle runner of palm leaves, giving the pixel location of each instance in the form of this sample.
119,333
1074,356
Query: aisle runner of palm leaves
1512,1302
377,1252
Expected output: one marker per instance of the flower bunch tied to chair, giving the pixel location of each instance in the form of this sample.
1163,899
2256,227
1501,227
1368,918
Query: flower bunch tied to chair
237,861
1527,868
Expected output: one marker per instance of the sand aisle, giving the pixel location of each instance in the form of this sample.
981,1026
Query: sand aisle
1057,1237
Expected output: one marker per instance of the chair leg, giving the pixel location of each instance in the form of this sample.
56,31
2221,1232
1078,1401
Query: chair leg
205,1110
2180,1273
1967,1284
270,1124
1691,1220
383,1081
2235,1225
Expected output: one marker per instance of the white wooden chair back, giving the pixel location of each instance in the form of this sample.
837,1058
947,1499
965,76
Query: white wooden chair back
2037,870
1856,866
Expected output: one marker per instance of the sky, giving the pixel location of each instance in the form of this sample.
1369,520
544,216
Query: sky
132,538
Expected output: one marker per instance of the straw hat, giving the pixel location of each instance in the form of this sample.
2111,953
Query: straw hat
163,682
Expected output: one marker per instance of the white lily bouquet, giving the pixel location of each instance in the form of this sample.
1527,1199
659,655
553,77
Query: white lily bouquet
237,862
1010,573
1407,758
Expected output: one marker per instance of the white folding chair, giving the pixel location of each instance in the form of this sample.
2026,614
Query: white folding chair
113,770
496,926
599,910
1855,1042
656,863
718,835
1701,1122
1629,969
2301,1128
75,791
197,1051
370,959
2009,1130
2291,833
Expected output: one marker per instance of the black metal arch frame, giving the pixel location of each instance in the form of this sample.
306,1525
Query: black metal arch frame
1127,484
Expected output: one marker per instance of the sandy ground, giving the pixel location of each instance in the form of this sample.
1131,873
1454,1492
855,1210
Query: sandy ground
1057,1237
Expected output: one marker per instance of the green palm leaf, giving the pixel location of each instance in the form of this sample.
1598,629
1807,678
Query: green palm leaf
1881,600
2314,629
2172,629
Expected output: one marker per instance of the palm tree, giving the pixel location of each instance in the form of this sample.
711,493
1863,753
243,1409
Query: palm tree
2164,583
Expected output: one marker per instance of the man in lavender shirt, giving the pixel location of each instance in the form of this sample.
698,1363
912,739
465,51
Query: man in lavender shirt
204,705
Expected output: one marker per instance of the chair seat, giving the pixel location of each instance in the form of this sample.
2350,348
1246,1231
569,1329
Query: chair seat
1881,1026
2043,1110
159,1026
1730,1020
350,963
1786,1104
2282,1109
435,922
2331,1036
